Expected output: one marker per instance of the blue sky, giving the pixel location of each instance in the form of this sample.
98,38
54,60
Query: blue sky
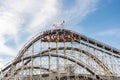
104,23
22,19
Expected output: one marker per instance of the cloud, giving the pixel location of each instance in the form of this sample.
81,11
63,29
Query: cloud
8,23
1,62
47,12
19,19
110,32
77,12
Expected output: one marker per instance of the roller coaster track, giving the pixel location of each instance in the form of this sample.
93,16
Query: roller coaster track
90,57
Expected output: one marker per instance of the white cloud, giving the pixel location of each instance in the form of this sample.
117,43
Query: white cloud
47,12
1,62
78,11
23,6
8,23
19,17
13,15
5,50
110,32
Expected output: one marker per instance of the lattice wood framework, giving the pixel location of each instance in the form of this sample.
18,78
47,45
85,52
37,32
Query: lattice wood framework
62,54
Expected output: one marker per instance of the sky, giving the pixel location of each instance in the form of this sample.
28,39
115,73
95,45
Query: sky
20,20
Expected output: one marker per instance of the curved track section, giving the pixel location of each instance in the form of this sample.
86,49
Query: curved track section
62,54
